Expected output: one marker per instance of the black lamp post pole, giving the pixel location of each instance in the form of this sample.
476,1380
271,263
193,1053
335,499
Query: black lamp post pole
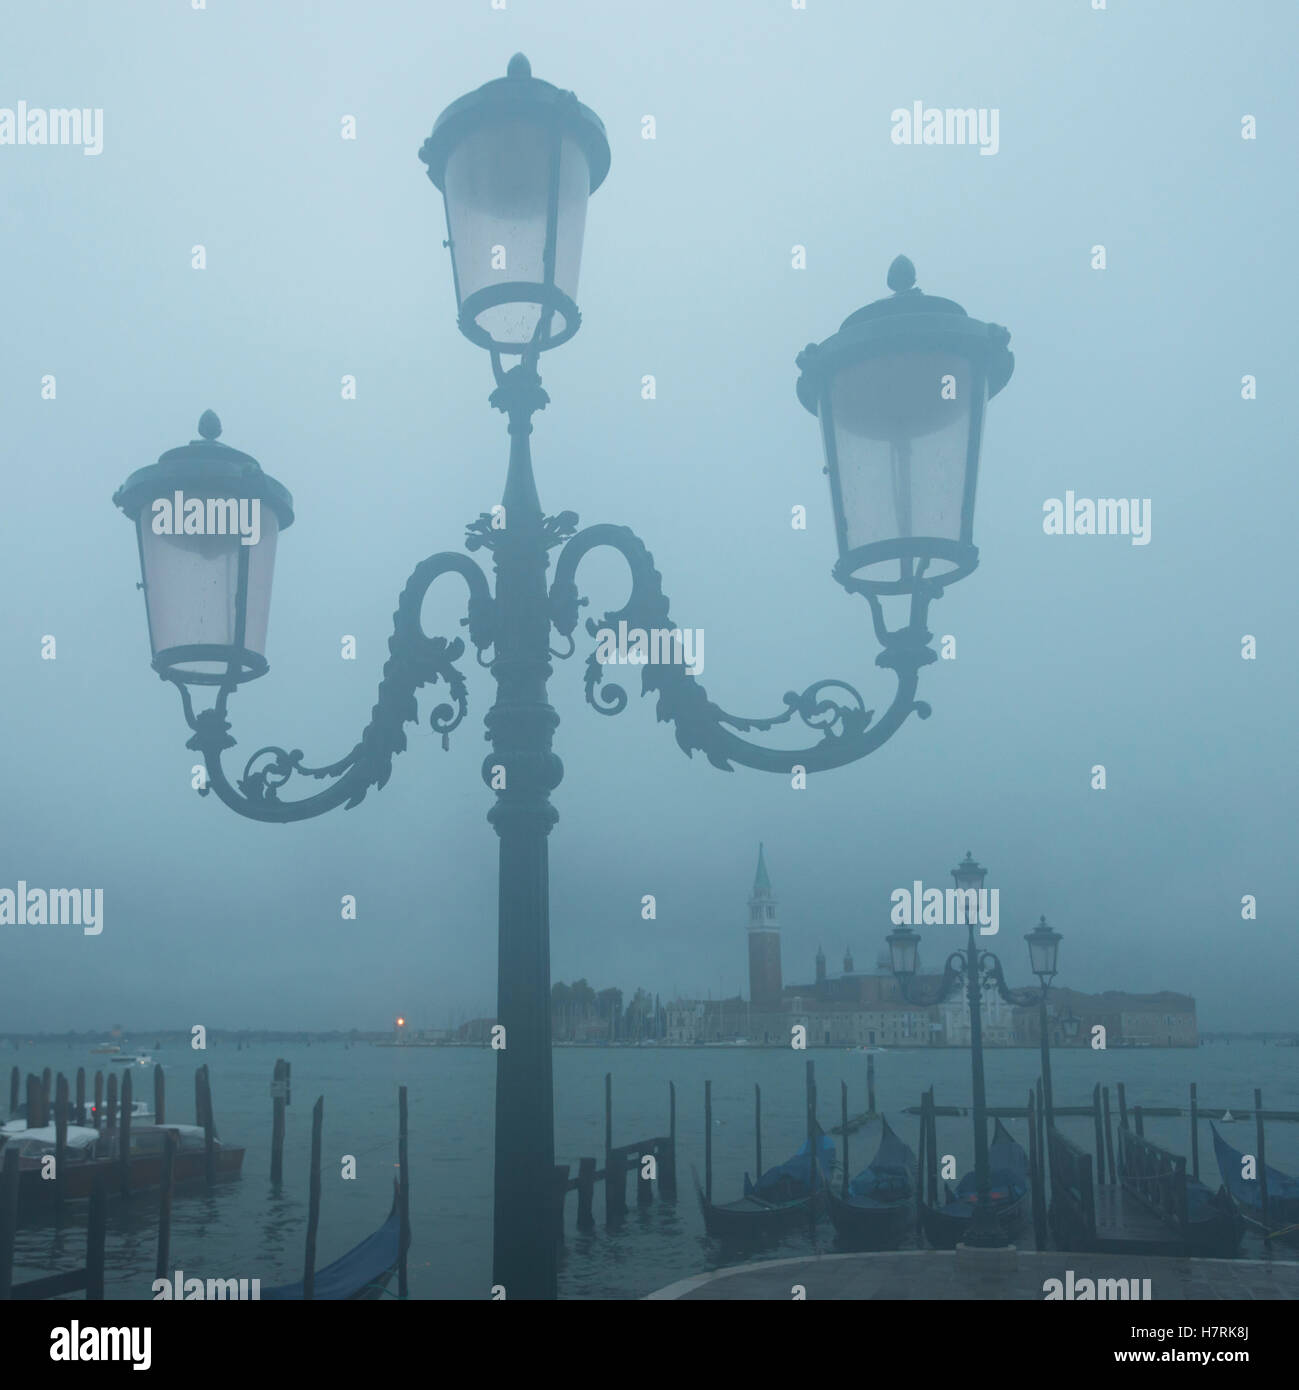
985,1231
1048,1099
974,969
520,726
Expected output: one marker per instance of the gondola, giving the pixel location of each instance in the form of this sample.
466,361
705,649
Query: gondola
362,1274
946,1226
1282,1194
779,1201
880,1203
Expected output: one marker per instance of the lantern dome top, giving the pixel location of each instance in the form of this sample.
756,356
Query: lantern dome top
908,320
204,467
517,95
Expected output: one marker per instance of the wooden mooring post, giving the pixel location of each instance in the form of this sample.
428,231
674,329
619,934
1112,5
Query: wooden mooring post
403,1177
757,1131
932,1160
1195,1134
8,1218
279,1098
89,1276
124,1136
163,1263
1262,1166
99,1100
81,1096
615,1163
619,1159
46,1098
1123,1106
313,1201
585,1193
159,1096
15,1081
813,1148
110,1102
60,1137
209,1129
668,1161
1109,1138
708,1142
1099,1123
843,1105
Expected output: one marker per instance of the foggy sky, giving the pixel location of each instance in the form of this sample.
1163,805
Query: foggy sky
221,128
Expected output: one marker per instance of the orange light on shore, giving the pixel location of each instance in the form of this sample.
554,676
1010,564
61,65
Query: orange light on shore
401,1023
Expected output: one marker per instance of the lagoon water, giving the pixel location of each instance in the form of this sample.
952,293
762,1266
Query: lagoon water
243,1230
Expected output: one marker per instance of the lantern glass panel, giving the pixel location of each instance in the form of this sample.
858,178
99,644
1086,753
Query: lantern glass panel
1043,952
498,197
904,951
903,448
191,587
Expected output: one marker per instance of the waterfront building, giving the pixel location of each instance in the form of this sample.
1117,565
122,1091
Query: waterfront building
866,1008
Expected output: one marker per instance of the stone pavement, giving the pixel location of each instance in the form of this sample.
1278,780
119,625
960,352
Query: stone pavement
936,1274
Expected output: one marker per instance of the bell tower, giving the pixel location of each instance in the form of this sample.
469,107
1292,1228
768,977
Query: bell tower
764,940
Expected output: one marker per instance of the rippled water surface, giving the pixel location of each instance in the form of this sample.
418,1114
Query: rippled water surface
244,1230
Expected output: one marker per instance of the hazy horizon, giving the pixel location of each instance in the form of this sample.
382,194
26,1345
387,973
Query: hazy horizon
774,130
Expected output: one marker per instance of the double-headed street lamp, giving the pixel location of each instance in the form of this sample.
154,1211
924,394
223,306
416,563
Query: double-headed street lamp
976,970
900,392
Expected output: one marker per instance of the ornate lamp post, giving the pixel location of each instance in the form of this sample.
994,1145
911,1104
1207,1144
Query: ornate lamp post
900,392
1043,952
976,970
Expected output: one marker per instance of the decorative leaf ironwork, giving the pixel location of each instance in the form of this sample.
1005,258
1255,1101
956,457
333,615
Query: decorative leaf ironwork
414,660
834,708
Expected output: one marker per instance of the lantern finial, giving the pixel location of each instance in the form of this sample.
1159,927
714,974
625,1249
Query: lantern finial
902,275
519,66
209,424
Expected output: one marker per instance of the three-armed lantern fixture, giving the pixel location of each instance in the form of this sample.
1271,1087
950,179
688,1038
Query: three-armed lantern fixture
515,162
899,390
206,519
975,971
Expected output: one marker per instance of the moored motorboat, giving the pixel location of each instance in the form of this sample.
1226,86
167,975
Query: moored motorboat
91,1152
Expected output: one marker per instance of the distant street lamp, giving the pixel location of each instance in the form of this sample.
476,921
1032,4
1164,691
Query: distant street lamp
975,970
900,393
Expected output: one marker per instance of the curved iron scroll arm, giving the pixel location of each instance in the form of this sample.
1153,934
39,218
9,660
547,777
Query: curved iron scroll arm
414,660
849,730
990,973
954,969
